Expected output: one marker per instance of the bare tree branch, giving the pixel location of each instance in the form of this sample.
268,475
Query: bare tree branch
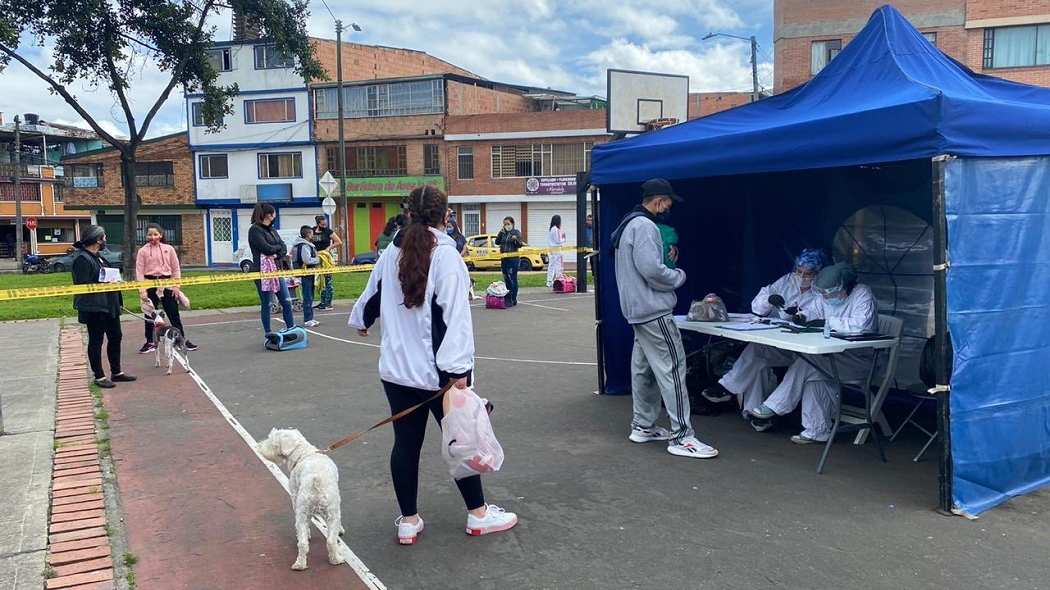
69,98
175,75
138,41
117,84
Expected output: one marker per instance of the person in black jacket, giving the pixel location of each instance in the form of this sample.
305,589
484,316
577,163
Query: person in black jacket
264,240
100,312
509,240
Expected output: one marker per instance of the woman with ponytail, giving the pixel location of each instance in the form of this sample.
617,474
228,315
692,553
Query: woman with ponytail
419,286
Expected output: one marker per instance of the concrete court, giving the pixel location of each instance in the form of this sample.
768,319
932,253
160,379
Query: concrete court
597,511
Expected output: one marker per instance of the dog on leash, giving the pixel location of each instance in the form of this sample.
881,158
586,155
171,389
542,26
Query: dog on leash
313,482
169,340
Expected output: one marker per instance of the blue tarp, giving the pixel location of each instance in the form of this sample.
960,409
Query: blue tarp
765,179
889,95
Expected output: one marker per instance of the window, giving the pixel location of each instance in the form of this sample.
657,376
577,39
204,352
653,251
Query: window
540,159
1017,47
431,159
154,174
197,111
171,224
465,161
59,189
267,58
821,54
58,232
86,175
382,100
269,110
30,191
214,166
471,220
222,229
370,161
220,59
274,165
931,37
479,242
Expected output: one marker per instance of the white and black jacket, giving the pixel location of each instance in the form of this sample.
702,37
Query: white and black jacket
424,346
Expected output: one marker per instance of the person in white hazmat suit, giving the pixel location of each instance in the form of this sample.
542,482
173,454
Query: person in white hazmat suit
848,308
751,379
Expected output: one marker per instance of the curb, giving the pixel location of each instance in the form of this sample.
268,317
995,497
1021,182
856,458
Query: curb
79,556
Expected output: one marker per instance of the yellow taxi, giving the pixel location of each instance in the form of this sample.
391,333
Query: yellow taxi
483,254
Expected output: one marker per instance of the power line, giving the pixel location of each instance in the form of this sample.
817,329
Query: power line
329,9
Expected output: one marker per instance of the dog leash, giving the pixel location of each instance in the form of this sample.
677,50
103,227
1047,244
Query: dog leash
356,435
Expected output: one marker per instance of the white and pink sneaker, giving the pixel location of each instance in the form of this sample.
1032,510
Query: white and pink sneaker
408,531
495,520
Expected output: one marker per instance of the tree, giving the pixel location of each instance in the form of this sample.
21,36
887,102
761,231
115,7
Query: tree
103,41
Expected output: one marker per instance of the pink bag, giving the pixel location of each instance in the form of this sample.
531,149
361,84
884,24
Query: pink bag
266,264
565,284
495,302
468,444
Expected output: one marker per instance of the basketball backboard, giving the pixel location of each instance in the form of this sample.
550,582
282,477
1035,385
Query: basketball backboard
635,98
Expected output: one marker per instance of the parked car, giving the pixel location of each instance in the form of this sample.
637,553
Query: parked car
365,258
485,253
243,256
112,254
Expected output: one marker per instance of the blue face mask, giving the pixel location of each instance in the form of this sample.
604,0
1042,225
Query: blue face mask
835,302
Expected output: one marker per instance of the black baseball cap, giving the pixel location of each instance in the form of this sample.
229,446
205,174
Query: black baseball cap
659,186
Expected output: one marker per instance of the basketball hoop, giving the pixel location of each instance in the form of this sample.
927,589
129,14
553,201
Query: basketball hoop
654,124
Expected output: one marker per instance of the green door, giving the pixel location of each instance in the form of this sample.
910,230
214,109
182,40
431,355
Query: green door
114,226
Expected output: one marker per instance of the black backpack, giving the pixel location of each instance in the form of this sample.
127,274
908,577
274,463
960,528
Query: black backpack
928,362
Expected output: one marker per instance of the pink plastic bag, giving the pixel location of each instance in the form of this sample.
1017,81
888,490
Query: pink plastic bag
468,444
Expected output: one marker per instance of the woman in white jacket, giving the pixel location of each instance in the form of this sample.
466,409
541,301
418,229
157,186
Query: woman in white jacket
419,286
555,240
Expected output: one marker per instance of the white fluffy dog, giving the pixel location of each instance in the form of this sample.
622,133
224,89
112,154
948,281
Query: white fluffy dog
313,481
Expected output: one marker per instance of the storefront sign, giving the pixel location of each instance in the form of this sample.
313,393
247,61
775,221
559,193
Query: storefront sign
390,186
550,185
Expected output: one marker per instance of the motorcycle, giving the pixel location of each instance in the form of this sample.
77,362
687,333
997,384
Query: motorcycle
35,263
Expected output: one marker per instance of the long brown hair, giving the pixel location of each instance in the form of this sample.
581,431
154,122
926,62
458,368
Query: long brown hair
426,207
260,211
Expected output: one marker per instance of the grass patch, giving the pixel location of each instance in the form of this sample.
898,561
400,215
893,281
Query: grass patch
217,296
49,572
130,560
57,444
102,415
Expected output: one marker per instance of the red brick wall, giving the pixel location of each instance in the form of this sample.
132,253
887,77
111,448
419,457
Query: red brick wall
702,104
982,9
379,127
192,252
989,9
467,99
535,121
369,62
174,149
413,153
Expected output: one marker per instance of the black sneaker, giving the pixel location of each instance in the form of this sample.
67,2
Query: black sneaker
716,394
123,378
761,425
104,383
191,346
148,348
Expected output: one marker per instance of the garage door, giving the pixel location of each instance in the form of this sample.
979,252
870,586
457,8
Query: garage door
293,219
495,212
540,221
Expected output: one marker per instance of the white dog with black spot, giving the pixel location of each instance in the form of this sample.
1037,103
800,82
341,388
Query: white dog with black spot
313,482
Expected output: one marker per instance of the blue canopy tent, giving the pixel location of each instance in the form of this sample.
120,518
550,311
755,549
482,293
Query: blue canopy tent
890,121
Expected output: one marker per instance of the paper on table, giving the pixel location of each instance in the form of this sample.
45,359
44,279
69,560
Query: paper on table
746,326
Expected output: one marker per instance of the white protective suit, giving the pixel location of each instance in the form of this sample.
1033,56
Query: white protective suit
751,379
819,396
555,264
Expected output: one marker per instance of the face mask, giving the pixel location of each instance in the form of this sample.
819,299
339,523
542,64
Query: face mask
448,230
508,227
835,302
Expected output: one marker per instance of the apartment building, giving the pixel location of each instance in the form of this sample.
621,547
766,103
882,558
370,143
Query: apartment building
1004,38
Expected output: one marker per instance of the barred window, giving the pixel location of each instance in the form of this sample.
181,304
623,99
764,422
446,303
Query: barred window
370,161
154,174
540,159
465,160
171,224
431,159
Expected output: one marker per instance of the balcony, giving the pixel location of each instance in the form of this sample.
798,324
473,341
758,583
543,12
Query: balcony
7,170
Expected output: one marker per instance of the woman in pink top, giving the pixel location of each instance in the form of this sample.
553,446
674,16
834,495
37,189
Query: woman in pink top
158,260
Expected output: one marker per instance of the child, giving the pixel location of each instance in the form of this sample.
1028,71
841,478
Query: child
304,255
670,239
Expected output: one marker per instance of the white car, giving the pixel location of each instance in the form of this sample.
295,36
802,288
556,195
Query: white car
243,256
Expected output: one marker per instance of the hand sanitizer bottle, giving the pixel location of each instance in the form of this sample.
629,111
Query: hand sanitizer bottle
827,329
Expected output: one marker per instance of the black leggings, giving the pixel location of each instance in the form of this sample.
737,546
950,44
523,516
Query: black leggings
408,442
99,326
171,308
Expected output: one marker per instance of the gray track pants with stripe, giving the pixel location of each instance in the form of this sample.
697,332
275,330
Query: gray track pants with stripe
658,373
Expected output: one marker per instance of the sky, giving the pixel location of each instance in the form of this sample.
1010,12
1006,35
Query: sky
562,44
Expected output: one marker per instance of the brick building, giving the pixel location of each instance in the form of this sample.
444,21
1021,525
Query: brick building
165,181
702,104
1004,38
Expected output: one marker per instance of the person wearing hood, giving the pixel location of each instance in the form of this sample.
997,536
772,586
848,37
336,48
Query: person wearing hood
847,307
647,299
100,312
751,379
158,260
304,255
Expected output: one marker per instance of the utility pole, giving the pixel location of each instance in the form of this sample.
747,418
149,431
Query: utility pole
754,70
18,191
342,141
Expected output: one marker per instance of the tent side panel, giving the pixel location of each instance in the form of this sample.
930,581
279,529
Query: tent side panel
998,214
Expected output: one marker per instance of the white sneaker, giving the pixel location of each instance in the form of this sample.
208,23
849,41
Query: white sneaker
312,323
407,531
692,447
801,439
495,520
644,435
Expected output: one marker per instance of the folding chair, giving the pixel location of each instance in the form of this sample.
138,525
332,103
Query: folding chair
864,420
921,398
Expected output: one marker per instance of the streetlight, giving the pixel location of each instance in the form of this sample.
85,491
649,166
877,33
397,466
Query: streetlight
342,142
754,59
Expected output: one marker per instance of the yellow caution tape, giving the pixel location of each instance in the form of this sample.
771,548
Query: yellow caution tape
208,279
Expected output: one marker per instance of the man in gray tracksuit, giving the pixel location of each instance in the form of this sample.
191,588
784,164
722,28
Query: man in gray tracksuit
647,299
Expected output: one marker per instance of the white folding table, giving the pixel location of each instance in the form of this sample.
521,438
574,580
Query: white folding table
802,344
